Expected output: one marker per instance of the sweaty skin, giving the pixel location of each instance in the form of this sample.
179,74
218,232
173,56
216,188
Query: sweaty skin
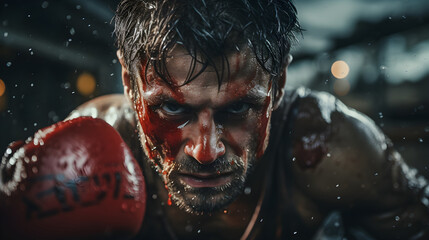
360,175
204,134
321,157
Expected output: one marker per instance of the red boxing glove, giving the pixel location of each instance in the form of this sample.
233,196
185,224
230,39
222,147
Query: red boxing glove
74,180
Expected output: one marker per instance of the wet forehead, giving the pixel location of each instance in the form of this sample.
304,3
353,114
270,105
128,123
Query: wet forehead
240,64
246,79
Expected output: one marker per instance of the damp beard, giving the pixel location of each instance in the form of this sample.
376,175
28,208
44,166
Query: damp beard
207,199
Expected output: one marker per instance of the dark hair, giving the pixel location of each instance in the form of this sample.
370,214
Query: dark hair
207,29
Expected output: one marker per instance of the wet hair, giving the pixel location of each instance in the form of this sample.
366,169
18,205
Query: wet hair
147,30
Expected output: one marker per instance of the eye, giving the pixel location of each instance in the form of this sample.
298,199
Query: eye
173,108
238,108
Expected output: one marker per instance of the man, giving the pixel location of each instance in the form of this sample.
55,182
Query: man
227,152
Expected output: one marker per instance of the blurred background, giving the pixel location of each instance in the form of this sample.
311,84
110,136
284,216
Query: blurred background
372,54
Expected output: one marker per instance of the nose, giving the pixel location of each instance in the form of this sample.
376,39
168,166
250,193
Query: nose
205,146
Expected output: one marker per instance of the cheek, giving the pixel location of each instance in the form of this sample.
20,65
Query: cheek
252,136
163,138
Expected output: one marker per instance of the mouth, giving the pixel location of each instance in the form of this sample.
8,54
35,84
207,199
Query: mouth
205,180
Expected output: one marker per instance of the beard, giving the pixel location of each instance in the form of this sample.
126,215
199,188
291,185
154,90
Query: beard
207,199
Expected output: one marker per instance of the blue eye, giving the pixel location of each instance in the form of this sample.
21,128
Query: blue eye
238,108
172,108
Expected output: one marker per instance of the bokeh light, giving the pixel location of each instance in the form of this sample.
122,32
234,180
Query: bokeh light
341,87
340,69
86,84
2,87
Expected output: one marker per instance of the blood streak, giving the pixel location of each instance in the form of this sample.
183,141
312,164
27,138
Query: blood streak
163,136
309,150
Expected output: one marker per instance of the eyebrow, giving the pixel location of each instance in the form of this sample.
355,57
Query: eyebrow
251,97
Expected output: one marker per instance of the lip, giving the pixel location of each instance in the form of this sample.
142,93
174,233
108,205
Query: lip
201,180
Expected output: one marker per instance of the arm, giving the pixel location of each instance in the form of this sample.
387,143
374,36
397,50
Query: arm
344,162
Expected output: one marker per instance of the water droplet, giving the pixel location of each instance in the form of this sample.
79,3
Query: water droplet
380,115
338,198
420,140
404,17
8,64
8,151
45,4
78,7
336,224
199,231
12,161
376,174
154,196
72,31
34,158
35,124
68,17
293,159
294,233
247,190
397,218
261,220
390,18
114,61
337,185
112,74
328,155
5,34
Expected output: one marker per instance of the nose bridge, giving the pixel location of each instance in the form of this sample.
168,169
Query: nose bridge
205,145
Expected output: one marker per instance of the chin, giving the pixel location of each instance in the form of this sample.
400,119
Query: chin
204,200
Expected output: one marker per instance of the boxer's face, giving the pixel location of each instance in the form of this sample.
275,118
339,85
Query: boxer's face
204,137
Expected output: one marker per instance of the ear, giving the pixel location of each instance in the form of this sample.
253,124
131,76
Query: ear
281,84
128,90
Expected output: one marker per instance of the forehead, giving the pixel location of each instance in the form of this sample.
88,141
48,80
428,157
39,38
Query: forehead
238,64
242,75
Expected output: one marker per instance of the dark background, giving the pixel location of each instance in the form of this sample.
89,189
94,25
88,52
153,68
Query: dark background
45,46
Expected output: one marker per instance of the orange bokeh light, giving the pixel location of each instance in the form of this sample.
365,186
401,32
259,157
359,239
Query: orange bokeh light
86,84
340,69
2,88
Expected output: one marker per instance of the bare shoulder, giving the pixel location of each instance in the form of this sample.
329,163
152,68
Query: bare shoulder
339,155
111,108
116,110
